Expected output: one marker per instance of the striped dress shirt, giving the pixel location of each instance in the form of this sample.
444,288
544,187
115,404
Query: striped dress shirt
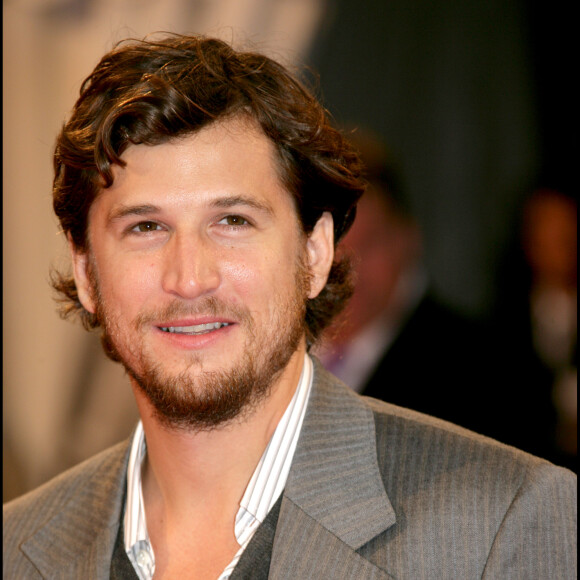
262,492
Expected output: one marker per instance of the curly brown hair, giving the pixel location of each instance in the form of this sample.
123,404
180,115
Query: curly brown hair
151,91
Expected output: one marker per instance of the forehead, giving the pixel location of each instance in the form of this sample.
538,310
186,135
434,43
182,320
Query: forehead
227,158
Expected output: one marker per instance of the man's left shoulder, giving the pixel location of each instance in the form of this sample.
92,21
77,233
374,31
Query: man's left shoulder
430,446
424,447
444,490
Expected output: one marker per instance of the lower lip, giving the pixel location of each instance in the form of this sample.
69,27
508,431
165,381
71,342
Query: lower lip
195,341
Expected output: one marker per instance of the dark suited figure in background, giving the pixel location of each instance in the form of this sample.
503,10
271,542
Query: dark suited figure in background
536,326
396,340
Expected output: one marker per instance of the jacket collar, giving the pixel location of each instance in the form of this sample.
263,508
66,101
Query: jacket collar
335,487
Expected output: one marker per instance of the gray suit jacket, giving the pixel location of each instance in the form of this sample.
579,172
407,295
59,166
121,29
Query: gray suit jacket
375,492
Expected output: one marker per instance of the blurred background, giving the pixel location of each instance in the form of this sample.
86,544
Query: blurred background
473,103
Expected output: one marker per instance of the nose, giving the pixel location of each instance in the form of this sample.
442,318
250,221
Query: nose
191,268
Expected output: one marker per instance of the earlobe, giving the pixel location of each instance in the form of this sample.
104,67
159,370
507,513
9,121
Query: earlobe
80,266
320,250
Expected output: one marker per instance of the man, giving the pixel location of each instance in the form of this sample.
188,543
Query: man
202,191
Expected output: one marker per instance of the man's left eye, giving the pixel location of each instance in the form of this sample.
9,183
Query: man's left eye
146,227
234,220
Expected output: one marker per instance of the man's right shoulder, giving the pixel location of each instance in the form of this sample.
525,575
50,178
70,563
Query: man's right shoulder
93,489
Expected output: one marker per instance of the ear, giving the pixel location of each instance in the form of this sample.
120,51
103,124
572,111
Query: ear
80,266
320,251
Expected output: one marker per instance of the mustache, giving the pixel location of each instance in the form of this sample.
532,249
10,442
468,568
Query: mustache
209,305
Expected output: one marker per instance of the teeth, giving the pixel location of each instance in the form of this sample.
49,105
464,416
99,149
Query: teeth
195,329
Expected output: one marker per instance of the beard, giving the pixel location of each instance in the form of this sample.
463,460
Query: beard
204,400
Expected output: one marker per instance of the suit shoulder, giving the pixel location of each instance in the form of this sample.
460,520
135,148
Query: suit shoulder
509,512
87,485
415,435
419,439
452,491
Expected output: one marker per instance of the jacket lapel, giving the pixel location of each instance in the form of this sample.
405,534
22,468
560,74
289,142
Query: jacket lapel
335,500
78,541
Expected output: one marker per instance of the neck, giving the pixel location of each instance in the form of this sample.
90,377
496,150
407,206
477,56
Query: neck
187,471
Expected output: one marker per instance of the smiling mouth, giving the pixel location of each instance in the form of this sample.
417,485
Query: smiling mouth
195,329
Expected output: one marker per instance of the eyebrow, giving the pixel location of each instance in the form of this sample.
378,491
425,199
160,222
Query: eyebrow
123,211
231,201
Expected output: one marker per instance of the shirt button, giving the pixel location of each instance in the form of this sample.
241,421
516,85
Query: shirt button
143,558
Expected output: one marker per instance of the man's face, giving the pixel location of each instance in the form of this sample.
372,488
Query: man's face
199,272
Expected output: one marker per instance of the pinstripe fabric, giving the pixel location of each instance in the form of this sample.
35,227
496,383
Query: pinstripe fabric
468,507
377,491
374,492
67,528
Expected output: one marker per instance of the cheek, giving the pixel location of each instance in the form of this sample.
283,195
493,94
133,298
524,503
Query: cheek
240,272
127,286
258,278
244,282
